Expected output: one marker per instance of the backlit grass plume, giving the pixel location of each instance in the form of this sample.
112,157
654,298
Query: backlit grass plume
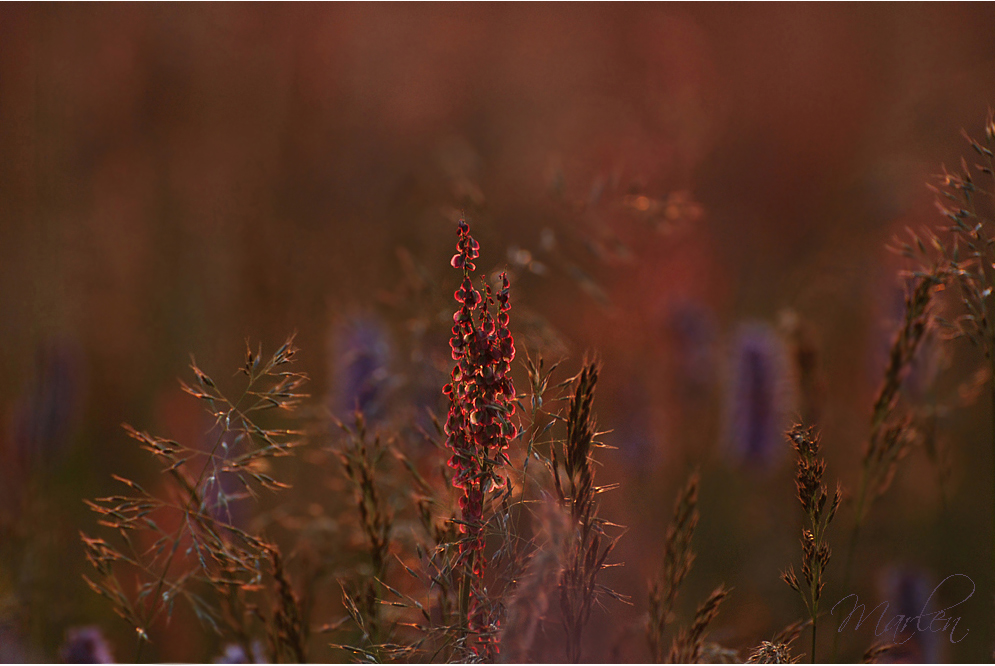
891,433
892,428
967,199
587,553
361,455
182,544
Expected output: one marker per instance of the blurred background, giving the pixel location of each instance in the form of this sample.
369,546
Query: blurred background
699,194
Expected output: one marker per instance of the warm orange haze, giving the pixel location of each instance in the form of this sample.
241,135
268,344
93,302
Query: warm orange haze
497,332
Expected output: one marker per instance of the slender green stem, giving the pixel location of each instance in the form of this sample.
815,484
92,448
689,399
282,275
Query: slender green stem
851,548
816,580
991,358
858,522
989,280
813,638
143,633
464,603
533,433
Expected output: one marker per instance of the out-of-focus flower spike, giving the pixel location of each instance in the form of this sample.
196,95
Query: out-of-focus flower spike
907,590
758,397
361,366
86,645
693,332
43,420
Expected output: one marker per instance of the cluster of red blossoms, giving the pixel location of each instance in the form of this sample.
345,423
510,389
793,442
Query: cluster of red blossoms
481,396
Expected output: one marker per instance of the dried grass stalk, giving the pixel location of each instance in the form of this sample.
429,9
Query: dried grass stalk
677,560
813,496
529,603
772,653
590,547
688,644
208,560
877,651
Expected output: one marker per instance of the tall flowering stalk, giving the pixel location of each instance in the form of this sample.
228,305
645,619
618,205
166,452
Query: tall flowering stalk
967,199
813,495
478,428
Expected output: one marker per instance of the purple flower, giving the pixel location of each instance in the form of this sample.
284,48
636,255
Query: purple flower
759,391
43,419
235,654
633,434
85,645
693,332
907,589
11,648
360,366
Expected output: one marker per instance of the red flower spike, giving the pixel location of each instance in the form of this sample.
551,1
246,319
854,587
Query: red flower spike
481,395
